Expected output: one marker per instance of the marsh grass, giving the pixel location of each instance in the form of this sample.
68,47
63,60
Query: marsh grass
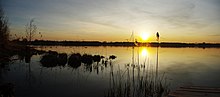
137,82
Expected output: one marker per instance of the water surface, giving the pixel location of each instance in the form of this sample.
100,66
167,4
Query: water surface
180,66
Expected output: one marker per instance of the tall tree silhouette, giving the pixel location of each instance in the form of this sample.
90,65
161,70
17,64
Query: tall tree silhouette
4,29
30,29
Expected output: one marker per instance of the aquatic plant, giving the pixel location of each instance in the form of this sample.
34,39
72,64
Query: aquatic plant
97,58
49,60
52,52
87,59
144,84
62,59
112,57
74,60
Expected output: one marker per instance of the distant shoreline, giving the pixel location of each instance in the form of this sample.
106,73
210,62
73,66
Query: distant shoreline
130,44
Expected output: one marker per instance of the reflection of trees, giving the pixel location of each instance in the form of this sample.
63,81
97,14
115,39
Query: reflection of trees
27,56
4,67
7,90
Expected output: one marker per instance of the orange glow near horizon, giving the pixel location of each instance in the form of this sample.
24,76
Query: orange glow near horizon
196,22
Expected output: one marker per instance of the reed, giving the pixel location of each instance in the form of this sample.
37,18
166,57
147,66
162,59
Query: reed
143,82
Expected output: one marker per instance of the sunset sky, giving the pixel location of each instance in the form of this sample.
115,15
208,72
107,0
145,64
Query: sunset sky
114,20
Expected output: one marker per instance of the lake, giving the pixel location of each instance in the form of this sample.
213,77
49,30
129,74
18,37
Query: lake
131,73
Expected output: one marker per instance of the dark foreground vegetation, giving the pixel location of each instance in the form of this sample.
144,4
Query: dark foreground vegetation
6,58
122,83
7,50
75,60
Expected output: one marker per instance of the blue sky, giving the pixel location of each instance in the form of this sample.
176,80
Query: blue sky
114,20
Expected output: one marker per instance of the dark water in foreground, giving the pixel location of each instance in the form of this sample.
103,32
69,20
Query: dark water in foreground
176,66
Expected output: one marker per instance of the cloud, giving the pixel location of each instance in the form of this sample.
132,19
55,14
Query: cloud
214,35
117,15
114,13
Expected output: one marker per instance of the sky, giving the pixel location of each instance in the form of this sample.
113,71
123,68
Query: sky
115,20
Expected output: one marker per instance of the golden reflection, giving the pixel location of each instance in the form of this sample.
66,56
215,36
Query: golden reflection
144,52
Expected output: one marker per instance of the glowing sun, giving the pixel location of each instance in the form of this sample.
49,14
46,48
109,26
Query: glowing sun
145,36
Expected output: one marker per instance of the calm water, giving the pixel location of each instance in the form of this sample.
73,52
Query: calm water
180,66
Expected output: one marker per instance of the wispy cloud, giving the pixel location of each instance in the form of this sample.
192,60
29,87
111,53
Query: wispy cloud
116,15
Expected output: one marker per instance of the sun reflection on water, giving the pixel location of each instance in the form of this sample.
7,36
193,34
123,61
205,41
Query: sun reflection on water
144,52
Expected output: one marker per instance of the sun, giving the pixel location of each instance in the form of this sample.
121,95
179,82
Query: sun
144,36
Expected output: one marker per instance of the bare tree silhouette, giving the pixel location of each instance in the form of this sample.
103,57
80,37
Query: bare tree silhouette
30,29
4,29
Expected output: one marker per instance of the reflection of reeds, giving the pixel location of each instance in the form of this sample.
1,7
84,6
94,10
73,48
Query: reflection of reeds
144,84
